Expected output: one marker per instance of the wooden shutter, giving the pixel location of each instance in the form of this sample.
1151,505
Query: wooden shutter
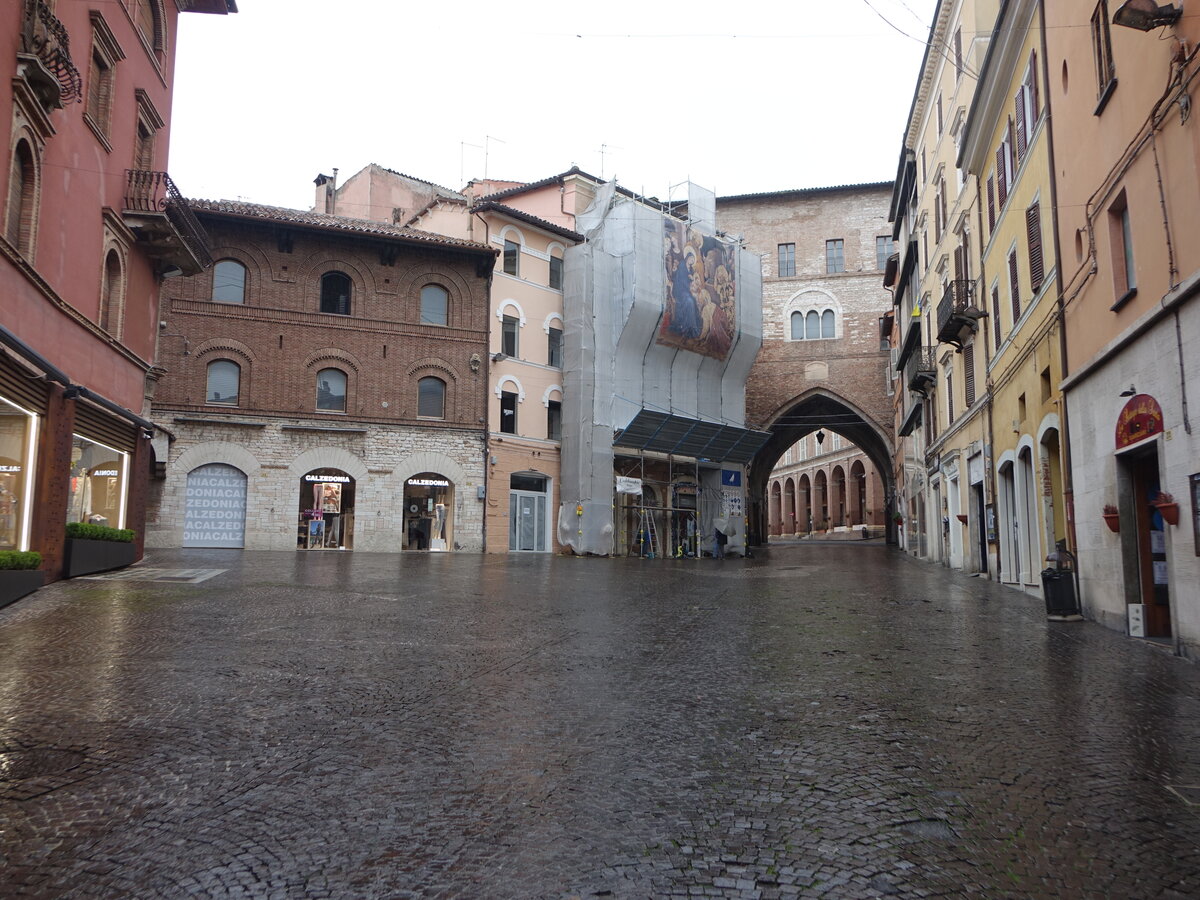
969,373
1033,228
991,192
1013,284
1001,178
949,398
1033,87
1019,150
996,315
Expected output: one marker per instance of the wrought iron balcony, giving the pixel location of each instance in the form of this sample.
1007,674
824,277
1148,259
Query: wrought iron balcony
164,222
957,313
44,60
920,372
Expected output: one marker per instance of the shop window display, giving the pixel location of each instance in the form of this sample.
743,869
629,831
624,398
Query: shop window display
17,436
98,478
326,519
428,500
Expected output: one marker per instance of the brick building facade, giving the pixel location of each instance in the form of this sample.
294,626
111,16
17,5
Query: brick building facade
823,253
325,387
91,225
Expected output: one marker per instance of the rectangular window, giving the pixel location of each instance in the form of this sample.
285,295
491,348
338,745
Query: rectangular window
958,59
787,260
508,341
99,95
512,258
1106,73
97,483
508,412
556,272
554,420
554,348
835,256
884,248
1120,239
949,397
939,115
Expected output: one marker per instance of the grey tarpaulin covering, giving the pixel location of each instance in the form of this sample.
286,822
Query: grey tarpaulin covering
614,369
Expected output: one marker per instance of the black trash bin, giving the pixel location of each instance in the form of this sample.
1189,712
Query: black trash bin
1058,587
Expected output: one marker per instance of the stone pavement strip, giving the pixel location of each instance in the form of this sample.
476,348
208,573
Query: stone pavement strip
830,720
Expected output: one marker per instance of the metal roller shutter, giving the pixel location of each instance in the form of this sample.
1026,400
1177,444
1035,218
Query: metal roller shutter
22,388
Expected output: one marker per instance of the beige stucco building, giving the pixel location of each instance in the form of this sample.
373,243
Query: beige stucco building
1126,145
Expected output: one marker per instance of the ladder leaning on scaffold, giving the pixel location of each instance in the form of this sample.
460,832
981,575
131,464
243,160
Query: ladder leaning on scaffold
648,544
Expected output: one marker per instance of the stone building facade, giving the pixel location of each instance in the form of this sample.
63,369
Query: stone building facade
821,365
325,387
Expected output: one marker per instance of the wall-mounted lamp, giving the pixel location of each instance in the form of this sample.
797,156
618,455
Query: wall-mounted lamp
498,357
1129,391
171,272
820,437
1145,15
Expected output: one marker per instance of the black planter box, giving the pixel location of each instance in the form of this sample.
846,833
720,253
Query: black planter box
16,583
86,557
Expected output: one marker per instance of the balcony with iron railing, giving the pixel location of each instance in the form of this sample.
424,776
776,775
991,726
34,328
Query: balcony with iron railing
920,371
166,227
44,60
957,313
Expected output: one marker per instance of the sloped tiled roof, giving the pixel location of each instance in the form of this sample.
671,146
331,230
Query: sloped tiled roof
492,206
793,192
343,224
545,182
444,191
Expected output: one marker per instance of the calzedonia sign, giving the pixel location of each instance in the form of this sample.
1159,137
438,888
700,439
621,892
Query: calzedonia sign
105,473
328,479
428,482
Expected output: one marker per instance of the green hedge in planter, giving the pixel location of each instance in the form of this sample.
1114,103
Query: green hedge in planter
89,532
11,560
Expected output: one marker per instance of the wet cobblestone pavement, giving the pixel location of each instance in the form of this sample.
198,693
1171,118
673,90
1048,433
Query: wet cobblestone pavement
821,721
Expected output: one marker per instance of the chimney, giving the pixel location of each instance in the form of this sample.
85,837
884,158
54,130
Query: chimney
326,198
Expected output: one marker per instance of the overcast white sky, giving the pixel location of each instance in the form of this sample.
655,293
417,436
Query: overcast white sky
740,97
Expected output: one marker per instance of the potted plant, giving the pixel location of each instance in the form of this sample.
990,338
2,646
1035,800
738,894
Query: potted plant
1112,518
1167,507
898,518
97,548
20,574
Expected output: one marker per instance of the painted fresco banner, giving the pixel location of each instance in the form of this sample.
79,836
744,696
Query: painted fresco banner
700,310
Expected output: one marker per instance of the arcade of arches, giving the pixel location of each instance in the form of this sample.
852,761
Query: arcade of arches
824,486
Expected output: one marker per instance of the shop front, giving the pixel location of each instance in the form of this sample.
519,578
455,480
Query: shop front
215,507
18,440
428,501
99,475
326,514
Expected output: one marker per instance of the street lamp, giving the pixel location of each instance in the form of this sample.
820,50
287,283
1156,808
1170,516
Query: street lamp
1145,15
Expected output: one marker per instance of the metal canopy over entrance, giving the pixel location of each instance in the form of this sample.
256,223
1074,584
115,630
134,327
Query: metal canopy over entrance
682,436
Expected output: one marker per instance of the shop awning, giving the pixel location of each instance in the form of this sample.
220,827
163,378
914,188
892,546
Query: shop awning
682,436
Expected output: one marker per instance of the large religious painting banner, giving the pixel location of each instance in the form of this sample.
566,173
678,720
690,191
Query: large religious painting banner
699,307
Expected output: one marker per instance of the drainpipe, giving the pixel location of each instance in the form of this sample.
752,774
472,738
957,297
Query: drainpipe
1064,450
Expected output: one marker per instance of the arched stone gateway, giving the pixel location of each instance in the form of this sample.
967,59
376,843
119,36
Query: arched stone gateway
818,408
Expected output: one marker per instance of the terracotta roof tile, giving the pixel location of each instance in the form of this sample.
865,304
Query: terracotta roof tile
344,224
492,206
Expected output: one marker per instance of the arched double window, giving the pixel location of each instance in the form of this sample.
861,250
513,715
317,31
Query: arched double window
431,398
331,390
224,382
814,325
335,293
229,282
435,305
